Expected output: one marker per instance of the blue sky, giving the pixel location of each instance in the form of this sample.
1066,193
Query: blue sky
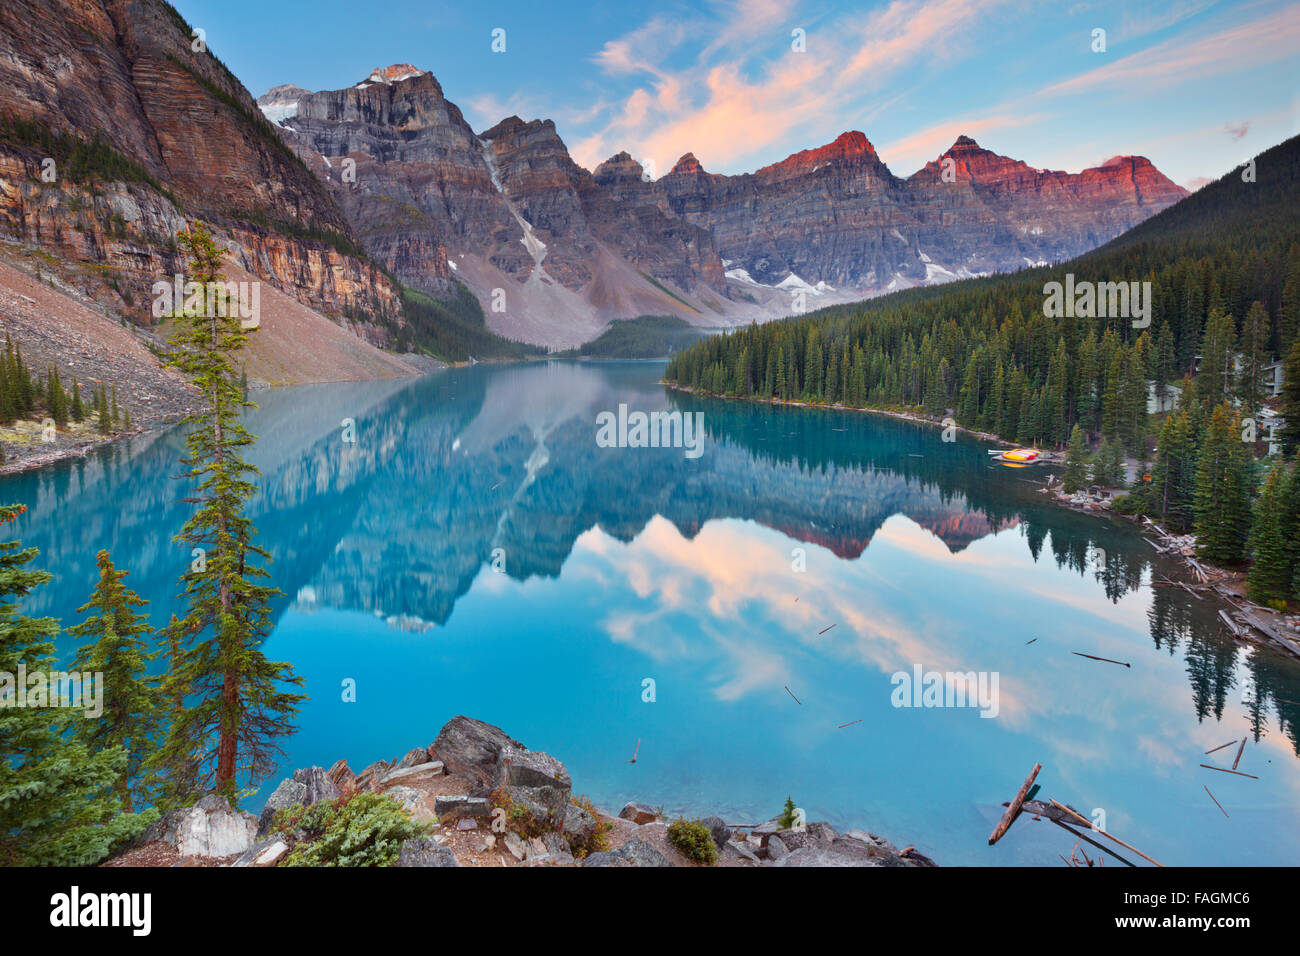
1195,85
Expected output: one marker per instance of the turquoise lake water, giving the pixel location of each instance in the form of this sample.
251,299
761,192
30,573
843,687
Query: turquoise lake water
476,552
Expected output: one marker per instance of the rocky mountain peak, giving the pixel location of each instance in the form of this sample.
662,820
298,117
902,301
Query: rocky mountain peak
393,74
849,148
688,164
619,166
282,94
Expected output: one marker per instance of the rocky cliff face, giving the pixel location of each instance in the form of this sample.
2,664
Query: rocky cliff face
176,137
550,251
837,215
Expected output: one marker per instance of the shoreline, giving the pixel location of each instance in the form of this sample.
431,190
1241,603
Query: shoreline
483,799
1258,624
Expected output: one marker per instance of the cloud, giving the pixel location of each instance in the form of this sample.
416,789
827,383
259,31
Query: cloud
1238,130
1239,47
1139,23
726,105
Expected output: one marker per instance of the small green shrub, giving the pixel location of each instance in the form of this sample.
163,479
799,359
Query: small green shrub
366,830
694,840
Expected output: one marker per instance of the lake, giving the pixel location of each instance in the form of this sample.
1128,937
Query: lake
476,551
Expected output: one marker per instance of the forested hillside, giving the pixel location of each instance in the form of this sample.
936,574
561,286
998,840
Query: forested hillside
1224,273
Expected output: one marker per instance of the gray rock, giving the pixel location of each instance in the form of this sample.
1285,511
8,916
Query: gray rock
871,839
209,828
289,793
812,835
640,853
417,852
471,747
557,848
608,858
841,852
430,769
547,805
776,847
718,828
412,801
458,806
765,830
515,844
493,760
579,825
318,784
265,852
413,759
639,813
739,851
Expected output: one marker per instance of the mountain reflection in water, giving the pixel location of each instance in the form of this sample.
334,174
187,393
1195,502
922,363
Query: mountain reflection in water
623,563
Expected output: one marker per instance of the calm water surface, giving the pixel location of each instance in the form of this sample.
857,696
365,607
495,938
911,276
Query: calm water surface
626,564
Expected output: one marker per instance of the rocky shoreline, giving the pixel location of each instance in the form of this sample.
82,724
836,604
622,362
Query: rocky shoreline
487,800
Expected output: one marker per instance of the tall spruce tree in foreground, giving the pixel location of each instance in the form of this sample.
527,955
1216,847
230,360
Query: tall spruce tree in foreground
57,803
1270,574
235,706
1222,501
115,643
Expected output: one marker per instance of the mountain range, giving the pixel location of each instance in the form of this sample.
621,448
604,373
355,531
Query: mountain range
341,198
509,209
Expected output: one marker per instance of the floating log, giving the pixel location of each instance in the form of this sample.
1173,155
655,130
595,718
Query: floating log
1013,809
851,723
1053,815
1239,751
791,693
1226,770
1216,802
1030,641
1220,747
1093,657
824,630
1110,836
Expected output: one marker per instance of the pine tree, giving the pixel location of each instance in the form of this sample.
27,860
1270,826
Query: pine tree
103,423
1173,476
1271,570
236,709
1255,337
1216,358
1076,462
1222,501
1291,399
57,805
1108,467
78,410
114,642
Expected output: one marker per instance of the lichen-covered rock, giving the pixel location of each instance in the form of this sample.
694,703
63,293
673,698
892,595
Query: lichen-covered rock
633,853
318,785
425,852
287,794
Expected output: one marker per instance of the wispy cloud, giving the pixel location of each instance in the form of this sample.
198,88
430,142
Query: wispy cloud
1240,47
725,108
